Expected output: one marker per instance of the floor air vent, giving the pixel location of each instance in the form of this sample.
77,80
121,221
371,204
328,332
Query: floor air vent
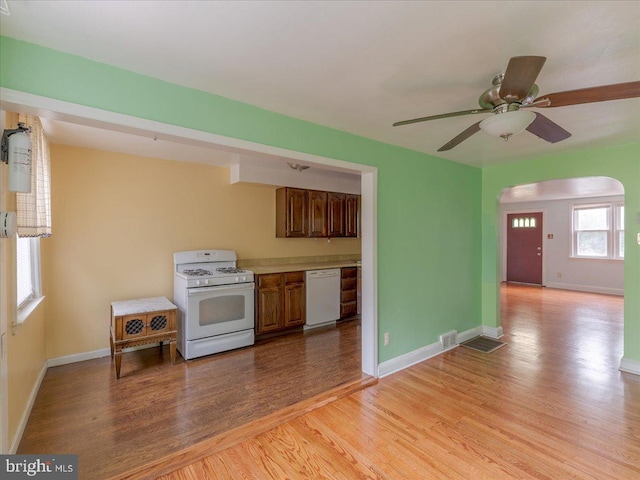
448,339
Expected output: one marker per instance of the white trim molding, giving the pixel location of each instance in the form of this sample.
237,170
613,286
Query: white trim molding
429,351
81,357
408,359
630,366
585,288
493,332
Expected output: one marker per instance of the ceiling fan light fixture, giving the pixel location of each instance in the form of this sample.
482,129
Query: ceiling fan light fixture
505,125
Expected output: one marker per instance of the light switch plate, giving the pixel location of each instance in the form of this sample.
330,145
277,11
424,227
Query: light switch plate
639,239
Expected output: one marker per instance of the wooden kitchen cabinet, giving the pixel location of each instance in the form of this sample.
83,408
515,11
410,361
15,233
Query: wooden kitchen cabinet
294,299
280,302
269,303
348,292
292,212
316,214
336,214
352,215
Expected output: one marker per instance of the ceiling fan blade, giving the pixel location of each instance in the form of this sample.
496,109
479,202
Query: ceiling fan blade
547,130
444,115
603,93
520,76
460,138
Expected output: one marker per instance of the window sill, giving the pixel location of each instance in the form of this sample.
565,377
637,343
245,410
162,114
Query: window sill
24,312
601,259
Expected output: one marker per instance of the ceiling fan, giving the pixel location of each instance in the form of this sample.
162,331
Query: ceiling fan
514,90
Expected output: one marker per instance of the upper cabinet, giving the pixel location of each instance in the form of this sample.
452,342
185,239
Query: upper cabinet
292,216
313,213
317,213
351,215
335,208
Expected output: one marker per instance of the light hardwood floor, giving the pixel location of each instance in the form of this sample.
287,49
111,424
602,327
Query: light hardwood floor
549,405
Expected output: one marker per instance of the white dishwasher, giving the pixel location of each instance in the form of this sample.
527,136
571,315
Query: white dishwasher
323,297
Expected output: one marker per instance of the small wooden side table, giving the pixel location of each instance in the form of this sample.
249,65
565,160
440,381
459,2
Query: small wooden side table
139,322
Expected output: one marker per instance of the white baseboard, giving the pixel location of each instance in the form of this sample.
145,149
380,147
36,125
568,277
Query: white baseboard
424,353
403,361
27,411
586,288
103,352
493,332
78,357
630,366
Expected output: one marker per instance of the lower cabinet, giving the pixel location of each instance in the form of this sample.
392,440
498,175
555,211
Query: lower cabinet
348,292
280,302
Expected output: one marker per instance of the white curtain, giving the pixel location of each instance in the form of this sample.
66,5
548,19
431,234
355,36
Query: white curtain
34,209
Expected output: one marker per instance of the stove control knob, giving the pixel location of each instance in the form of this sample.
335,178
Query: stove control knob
206,282
197,282
244,278
237,279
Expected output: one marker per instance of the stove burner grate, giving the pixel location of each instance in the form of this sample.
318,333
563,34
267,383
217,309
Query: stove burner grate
230,270
197,272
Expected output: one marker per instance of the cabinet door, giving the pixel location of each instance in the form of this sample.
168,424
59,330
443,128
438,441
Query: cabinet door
159,322
335,206
294,304
352,215
269,311
317,213
296,212
134,326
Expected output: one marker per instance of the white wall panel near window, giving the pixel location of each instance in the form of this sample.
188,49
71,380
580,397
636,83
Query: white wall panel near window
560,268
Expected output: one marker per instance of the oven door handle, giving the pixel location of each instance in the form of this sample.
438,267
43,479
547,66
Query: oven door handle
197,291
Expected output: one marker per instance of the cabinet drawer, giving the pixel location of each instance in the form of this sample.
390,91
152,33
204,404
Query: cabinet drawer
271,280
348,309
348,284
349,272
294,277
348,296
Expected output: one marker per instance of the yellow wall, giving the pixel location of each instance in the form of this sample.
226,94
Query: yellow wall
118,219
26,359
25,344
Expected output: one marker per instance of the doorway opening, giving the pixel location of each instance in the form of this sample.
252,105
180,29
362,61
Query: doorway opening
574,276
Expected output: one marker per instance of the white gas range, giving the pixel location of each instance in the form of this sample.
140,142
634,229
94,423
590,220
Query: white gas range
215,302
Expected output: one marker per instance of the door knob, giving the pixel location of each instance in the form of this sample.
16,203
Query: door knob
539,254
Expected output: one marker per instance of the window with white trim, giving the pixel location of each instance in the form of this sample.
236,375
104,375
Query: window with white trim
598,231
27,270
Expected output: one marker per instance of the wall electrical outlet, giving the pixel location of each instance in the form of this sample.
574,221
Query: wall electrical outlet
559,275
387,338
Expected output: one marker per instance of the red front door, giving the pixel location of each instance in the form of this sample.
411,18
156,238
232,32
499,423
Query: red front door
524,248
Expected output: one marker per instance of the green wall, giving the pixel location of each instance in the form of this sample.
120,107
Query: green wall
429,249
621,163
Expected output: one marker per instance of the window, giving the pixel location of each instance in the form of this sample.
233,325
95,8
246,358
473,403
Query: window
598,230
33,218
27,270
524,222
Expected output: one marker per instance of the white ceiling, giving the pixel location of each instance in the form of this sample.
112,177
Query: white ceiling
359,66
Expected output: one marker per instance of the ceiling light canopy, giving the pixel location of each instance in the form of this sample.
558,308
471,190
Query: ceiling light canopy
506,124
297,166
